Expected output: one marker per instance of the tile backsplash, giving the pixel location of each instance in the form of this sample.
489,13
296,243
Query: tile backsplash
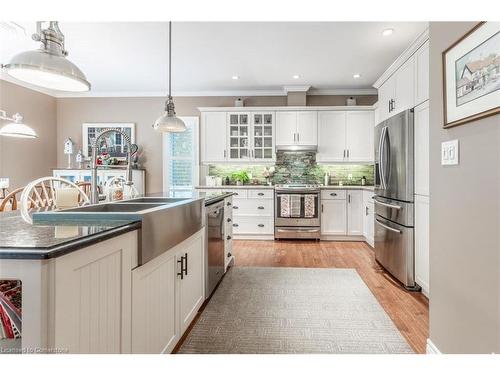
298,166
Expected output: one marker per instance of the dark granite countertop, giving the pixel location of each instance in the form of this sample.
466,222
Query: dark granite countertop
20,240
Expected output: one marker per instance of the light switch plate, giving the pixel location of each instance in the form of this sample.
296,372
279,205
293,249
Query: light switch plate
449,152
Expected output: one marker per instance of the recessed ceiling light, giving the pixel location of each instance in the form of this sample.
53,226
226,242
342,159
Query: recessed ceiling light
295,76
235,77
387,32
357,75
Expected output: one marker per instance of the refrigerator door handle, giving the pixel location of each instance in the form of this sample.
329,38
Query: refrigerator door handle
396,207
388,227
381,167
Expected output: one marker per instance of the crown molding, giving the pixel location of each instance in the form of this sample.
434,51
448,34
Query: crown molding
288,108
401,59
361,91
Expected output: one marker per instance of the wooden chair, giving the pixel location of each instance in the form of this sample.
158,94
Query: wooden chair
41,193
10,200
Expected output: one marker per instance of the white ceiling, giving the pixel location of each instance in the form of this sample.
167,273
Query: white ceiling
121,59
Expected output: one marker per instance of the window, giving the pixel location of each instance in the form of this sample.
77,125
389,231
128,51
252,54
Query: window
180,164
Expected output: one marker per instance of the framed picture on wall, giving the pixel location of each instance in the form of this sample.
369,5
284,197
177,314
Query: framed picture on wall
114,143
471,75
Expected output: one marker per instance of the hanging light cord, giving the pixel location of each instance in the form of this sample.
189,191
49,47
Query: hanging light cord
169,58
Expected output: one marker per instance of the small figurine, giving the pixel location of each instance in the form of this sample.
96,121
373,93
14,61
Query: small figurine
68,150
79,159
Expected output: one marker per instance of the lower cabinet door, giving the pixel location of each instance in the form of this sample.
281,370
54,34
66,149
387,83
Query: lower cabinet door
355,213
334,217
92,305
154,325
191,286
368,222
422,242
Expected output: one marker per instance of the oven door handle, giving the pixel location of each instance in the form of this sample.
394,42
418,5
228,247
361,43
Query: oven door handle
388,227
296,230
396,207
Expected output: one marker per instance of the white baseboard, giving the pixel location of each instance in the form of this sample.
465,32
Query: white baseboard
328,237
431,348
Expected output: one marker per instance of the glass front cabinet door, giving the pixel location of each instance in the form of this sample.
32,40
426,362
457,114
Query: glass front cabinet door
263,136
239,136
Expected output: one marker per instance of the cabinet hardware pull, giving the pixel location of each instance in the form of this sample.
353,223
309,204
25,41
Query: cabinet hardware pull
347,153
298,137
229,220
260,207
366,210
349,195
229,255
333,194
344,154
228,237
261,225
261,194
235,225
235,207
228,203
389,103
186,264
321,207
224,154
181,274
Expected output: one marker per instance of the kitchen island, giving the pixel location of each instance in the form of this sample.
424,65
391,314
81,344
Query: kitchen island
85,288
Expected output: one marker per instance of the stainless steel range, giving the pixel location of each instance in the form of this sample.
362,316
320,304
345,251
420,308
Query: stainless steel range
296,211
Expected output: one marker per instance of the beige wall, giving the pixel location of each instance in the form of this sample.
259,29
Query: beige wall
72,112
23,160
464,221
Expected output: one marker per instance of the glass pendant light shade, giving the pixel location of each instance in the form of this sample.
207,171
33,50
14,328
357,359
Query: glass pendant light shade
169,122
48,66
17,129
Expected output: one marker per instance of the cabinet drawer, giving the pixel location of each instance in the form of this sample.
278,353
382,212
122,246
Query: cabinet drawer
238,193
253,225
333,194
260,207
261,194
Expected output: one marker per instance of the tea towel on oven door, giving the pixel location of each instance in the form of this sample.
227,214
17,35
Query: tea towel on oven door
295,205
309,205
284,205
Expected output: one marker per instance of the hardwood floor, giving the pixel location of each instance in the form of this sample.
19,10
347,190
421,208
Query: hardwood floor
408,310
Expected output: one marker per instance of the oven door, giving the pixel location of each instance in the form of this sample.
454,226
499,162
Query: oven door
307,217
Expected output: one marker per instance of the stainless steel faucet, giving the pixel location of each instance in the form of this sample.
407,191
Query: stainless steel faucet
94,198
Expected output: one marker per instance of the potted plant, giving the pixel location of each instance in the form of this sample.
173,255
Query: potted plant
240,177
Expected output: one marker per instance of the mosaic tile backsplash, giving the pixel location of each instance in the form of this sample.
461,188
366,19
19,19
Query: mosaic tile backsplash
295,166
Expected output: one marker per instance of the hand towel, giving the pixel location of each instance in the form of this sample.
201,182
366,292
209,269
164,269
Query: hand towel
285,205
309,205
295,205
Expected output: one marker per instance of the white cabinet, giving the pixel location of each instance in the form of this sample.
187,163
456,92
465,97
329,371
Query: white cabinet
238,142
422,74
422,242
331,136
355,212
296,128
191,285
228,232
92,301
262,135
334,217
368,217
213,137
345,136
359,136
167,293
421,147
404,95
385,96
154,326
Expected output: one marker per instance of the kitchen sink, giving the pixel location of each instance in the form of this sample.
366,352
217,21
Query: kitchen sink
115,207
161,200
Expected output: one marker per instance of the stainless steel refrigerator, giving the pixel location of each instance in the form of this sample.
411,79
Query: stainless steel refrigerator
394,202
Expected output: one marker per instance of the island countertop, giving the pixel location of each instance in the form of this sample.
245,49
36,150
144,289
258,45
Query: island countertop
20,240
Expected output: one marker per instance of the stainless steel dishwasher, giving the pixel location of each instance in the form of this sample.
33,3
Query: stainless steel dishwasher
214,246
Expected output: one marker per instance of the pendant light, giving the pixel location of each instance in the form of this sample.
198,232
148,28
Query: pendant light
48,66
16,128
169,122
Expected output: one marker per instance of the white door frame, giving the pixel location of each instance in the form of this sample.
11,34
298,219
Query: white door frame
193,121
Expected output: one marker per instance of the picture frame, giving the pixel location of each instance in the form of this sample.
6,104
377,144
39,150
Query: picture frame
117,148
471,75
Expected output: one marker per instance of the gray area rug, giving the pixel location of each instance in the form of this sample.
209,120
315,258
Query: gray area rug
294,310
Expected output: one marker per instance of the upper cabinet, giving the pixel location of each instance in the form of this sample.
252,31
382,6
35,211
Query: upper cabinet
297,128
239,136
213,137
263,139
345,136
422,74
406,83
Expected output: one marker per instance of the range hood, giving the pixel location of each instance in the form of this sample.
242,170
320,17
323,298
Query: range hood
313,148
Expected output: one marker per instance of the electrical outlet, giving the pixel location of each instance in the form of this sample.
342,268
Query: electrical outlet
349,176
449,152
